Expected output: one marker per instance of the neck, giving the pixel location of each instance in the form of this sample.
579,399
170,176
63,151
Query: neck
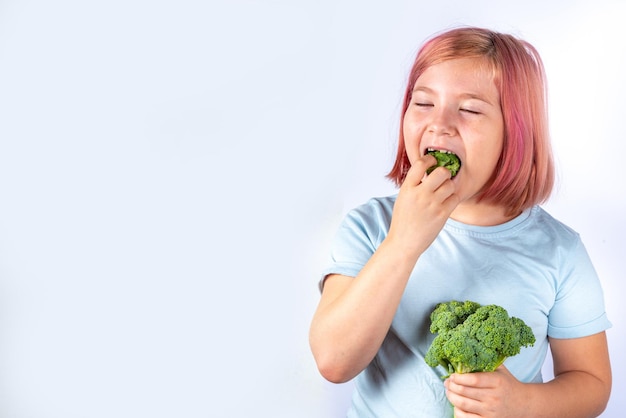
481,214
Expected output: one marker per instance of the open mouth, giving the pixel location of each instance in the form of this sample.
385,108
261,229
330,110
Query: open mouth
445,159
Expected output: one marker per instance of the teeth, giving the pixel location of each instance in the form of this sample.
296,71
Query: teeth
440,150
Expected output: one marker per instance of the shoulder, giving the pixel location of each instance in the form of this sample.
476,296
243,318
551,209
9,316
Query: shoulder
375,206
562,243
552,227
371,218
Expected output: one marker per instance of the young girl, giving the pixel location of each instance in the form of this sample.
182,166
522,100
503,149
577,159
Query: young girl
478,236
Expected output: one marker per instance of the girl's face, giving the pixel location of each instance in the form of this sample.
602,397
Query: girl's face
455,106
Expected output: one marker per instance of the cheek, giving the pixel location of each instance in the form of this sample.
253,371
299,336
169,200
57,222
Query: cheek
412,135
487,159
496,151
491,155
489,148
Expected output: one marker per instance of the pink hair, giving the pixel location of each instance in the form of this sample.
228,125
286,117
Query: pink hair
524,175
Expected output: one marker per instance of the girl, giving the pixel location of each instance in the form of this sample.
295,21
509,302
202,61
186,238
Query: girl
479,236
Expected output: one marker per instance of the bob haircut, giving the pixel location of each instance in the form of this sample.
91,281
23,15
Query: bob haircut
524,175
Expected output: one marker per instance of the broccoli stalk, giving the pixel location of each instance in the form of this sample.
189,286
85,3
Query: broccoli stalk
474,338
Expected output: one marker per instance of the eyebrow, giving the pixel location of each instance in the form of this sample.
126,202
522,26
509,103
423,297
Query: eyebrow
468,95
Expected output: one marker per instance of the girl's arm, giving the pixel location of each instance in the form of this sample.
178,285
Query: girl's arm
582,382
354,314
580,389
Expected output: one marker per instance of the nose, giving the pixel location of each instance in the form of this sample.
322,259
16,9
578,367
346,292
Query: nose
442,121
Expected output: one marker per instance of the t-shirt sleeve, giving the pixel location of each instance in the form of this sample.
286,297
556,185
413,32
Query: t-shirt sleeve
579,309
355,242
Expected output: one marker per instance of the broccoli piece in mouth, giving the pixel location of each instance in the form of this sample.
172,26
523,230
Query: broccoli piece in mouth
445,159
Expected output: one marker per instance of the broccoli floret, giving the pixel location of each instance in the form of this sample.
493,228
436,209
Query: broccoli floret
447,316
474,338
445,159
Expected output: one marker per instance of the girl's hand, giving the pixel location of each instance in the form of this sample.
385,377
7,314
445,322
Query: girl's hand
488,395
423,205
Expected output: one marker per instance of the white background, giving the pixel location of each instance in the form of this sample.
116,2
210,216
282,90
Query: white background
172,172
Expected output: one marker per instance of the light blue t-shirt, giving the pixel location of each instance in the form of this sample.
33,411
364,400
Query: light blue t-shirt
533,266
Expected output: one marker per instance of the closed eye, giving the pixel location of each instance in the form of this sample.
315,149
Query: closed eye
473,112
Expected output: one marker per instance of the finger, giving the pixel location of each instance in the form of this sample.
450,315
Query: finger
459,413
436,178
476,380
467,407
459,391
417,171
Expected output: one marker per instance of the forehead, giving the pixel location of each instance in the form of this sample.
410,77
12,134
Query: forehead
466,75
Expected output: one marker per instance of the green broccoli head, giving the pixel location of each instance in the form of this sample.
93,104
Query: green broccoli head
445,159
478,340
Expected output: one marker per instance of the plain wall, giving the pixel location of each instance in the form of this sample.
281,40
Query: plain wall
172,172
